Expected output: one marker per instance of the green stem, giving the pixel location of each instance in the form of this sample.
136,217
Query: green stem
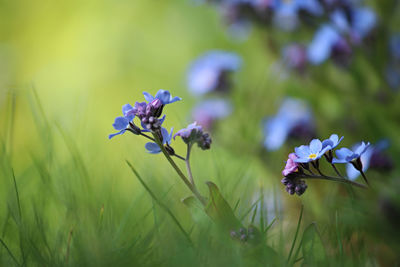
330,178
179,172
188,168
336,170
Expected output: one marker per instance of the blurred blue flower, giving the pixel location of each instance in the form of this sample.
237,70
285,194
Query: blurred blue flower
153,148
367,159
206,112
207,72
286,12
332,142
345,155
121,123
163,95
292,114
311,152
394,46
321,46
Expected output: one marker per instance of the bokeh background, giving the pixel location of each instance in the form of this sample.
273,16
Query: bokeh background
66,69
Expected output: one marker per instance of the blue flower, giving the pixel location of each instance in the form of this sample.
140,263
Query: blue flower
121,123
287,12
311,152
163,95
292,114
321,46
206,112
345,155
365,158
153,148
332,142
394,46
206,73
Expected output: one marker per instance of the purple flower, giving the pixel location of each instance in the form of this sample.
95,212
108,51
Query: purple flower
122,123
371,158
206,112
345,155
332,142
163,95
194,134
295,57
293,115
190,133
140,109
291,165
208,72
153,148
311,152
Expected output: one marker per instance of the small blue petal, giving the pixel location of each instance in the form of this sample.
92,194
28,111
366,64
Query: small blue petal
148,97
112,135
120,123
164,96
343,153
315,146
302,151
152,148
176,98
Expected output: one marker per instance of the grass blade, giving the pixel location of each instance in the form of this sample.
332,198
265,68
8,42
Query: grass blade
297,233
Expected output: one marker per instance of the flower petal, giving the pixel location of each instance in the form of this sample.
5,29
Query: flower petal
152,148
148,97
343,153
302,151
164,96
120,123
112,135
315,146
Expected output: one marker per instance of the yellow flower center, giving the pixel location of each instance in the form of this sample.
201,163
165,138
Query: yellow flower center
312,156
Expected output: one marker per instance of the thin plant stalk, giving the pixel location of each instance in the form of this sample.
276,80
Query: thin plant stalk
188,168
330,178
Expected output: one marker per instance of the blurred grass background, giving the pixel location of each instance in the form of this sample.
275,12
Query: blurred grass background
67,67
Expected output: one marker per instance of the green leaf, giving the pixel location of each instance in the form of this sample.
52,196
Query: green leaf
219,210
312,246
196,209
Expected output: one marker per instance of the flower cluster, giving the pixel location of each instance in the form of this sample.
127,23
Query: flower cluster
299,163
338,25
150,116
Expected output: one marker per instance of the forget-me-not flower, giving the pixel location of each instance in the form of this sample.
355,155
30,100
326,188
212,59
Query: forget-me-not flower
207,111
345,155
153,148
207,73
122,123
311,152
293,113
163,95
332,142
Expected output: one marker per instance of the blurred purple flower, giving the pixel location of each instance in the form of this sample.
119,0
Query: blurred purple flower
295,57
292,114
208,72
206,112
153,148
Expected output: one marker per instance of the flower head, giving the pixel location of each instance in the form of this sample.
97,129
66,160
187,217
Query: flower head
345,155
293,116
122,123
311,152
294,185
163,95
291,165
153,148
208,72
371,158
194,134
332,142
